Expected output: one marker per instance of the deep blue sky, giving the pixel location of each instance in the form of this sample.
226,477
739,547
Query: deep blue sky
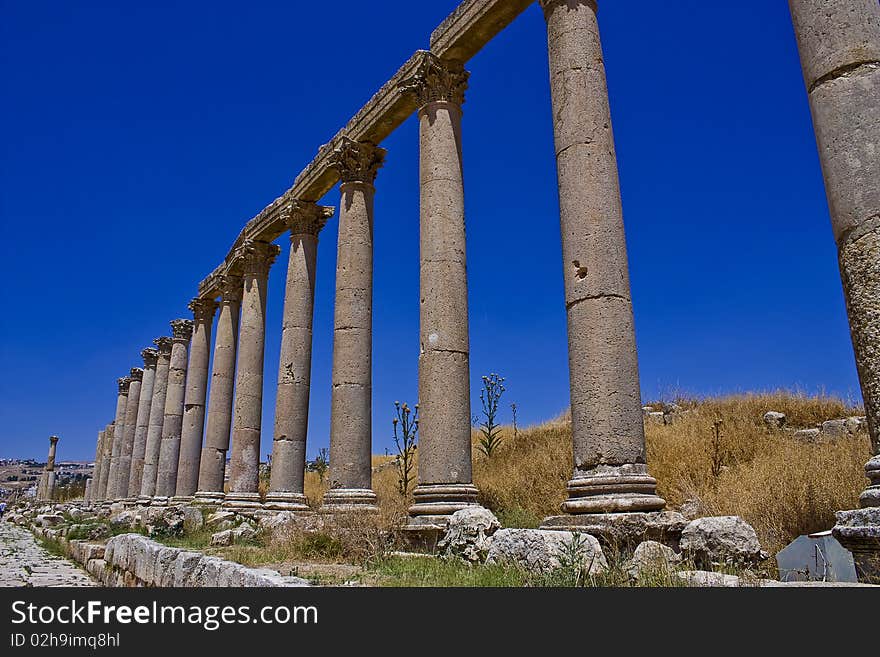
138,138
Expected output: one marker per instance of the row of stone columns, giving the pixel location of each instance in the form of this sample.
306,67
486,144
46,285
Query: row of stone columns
155,447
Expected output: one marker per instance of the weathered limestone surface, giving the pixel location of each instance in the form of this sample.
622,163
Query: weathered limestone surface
472,25
256,259
351,399
106,449
610,474
445,475
150,356
46,488
839,45
194,402
156,420
305,221
118,431
169,450
99,464
87,494
212,466
131,411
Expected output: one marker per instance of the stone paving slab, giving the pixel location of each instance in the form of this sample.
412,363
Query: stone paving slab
23,562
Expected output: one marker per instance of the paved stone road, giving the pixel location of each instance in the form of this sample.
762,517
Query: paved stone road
24,563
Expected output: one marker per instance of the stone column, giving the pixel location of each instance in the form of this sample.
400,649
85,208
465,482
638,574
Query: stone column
610,470
254,259
139,449
351,397
117,440
87,495
131,409
155,421
304,221
445,482
106,451
212,466
194,404
839,44
169,449
48,478
96,472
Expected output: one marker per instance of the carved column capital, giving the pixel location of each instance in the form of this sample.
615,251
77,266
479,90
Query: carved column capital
53,440
203,309
123,384
136,374
305,218
357,161
547,6
164,343
150,357
231,288
182,329
434,81
255,258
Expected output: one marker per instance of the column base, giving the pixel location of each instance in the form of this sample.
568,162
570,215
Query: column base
242,501
181,500
623,531
159,500
208,498
614,489
859,532
286,501
144,500
871,496
339,500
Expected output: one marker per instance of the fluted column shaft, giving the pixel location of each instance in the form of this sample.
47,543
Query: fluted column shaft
610,471
155,421
139,447
444,472
304,221
212,466
351,395
169,450
839,43
110,493
194,404
255,260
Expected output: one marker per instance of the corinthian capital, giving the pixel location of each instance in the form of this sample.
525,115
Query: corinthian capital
357,161
123,384
164,343
136,374
230,288
305,218
150,357
182,329
434,81
203,309
255,258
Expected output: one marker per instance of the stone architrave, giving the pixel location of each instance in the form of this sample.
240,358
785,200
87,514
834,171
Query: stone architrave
139,448
254,259
445,480
610,469
212,466
155,421
123,472
304,221
110,493
194,404
351,395
169,449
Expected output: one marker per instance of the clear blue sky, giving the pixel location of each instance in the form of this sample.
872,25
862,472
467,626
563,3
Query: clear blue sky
138,138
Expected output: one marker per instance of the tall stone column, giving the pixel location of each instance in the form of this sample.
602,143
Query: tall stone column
87,495
194,404
304,221
139,448
96,471
445,482
610,470
169,449
839,44
254,259
351,396
131,408
116,443
212,466
155,421
47,491
106,457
